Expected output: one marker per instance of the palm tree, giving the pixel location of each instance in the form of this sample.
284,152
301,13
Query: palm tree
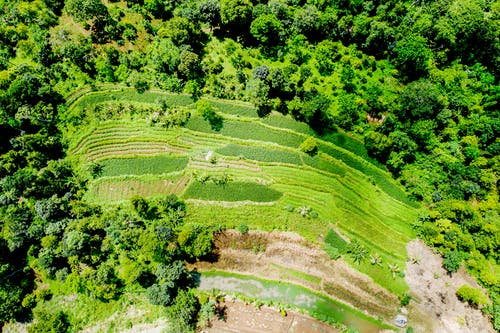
394,270
375,259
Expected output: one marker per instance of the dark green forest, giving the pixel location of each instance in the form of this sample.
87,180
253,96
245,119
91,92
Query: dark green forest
416,81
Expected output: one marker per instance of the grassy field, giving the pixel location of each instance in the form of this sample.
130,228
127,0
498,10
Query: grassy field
269,183
233,191
153,165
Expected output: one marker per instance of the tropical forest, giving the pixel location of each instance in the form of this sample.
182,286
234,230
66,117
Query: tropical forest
249,166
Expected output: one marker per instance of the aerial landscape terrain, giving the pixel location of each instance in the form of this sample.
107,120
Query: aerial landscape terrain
249,166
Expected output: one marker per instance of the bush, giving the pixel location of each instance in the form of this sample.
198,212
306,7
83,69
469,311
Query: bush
309,146
208,113
452,261
183,311
49,322
243,228
473,296
404,299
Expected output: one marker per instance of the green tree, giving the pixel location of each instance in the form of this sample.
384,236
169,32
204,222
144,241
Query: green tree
236,14
189,66
309,146
210,12
208,113
413,56
183,312
267,29
452,261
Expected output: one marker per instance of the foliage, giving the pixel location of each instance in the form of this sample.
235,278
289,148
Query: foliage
416,84
232,191
473,296
452,261
208,113
49,322
309,146
260,154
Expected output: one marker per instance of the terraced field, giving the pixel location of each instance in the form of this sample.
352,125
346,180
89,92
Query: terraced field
250,172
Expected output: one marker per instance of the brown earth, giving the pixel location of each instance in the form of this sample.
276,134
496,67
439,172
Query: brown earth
286,256
245,318
283,256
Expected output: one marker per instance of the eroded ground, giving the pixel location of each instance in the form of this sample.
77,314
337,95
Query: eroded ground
434,299
284,256
246,318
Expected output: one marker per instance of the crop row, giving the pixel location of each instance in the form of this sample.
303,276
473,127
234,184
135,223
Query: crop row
142,165
118,189
261,154
232,191
248,130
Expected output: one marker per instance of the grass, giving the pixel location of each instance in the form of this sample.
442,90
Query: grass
232,191
289,273
85,312
334,240
348,192
127,95
247,130
260,217
234,108
281,121
157,164
353,145
261,154
125,187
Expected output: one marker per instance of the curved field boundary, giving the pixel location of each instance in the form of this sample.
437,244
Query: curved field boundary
292,295
158,164
123,188
243,130
232,191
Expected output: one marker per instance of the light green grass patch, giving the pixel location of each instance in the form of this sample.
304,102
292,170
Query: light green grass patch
116,189
231,191
261,154
247,130
158,164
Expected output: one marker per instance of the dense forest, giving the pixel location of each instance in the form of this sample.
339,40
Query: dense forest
416,81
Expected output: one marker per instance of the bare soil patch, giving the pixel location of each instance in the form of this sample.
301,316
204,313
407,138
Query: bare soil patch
287,256
245,318
435,306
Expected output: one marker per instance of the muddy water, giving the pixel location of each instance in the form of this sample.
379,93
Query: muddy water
286,293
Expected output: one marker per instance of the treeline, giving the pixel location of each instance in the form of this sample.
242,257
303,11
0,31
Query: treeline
417,81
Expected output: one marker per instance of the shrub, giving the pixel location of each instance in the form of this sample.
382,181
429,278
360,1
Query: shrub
404,299
309,146
49,322
243,228
208,113
452,261
473,296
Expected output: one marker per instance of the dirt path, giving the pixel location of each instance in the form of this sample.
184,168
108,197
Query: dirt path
245,318
434,300
286,256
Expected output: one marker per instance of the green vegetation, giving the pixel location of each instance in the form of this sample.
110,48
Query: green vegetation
325,103
231,191
261,154
138,166
290,295
473,296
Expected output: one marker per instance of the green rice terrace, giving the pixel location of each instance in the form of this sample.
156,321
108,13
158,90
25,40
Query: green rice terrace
233,168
